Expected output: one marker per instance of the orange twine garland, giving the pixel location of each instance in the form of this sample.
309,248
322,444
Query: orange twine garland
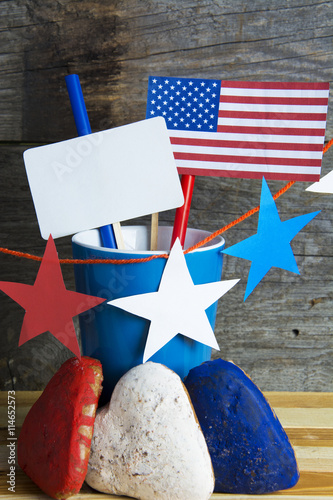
164,255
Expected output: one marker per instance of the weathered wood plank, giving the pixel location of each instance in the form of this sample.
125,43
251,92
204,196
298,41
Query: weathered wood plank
115,46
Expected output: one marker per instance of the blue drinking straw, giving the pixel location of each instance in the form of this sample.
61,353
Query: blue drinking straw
83,128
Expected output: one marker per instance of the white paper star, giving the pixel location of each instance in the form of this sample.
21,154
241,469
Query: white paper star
177,307
324,185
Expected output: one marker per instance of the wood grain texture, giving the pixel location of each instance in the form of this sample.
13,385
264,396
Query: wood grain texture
311,486
115,46
314,457
282,335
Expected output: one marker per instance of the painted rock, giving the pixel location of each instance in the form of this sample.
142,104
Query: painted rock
54,443
250,451
147,442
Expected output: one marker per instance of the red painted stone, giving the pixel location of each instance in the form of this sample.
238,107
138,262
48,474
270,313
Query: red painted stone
54,442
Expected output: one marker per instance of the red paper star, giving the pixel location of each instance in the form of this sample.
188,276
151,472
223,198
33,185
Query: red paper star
48,305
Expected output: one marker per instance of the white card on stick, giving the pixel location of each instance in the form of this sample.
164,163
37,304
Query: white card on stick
102,178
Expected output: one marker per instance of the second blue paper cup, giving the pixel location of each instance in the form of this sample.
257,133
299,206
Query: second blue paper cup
118,338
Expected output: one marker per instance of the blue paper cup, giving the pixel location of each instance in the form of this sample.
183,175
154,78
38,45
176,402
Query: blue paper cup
118,338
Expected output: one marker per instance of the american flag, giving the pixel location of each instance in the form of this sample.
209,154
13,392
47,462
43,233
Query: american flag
243,129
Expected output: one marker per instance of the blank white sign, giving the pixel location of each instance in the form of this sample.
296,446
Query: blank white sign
102,178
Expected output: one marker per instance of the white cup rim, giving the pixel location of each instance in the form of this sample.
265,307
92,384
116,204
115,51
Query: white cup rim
91,239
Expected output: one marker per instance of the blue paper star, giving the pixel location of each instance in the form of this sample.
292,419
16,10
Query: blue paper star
270,247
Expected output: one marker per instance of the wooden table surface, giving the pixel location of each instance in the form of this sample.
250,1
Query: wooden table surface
306,417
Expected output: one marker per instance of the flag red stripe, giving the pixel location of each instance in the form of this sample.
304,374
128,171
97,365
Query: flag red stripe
246,159
289,101
276,85
271,130
215,143
264,115
241,174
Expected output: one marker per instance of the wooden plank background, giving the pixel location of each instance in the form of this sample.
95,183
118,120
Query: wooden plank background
306,417
282,335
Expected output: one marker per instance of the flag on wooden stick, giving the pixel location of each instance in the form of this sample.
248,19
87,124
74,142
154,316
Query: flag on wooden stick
250,130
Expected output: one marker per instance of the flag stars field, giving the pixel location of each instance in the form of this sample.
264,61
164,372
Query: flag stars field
188,95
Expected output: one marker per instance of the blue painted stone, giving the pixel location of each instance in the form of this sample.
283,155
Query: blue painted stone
250,451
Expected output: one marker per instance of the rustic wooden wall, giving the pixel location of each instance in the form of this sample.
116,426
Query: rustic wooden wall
282,334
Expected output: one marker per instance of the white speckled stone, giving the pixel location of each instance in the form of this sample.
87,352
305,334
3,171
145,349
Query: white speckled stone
147,442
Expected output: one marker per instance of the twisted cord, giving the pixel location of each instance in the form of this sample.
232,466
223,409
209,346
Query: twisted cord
164,255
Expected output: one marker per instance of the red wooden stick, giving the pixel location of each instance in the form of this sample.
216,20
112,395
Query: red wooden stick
182,213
